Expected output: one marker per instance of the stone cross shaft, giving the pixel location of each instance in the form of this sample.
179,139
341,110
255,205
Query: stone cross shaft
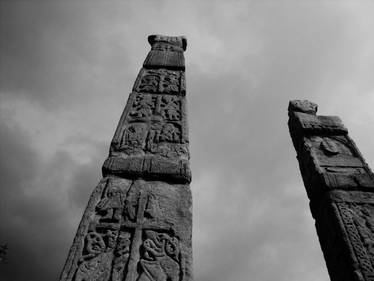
138,221
340,186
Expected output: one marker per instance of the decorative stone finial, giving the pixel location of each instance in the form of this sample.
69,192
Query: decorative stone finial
166,52
304,106
178,41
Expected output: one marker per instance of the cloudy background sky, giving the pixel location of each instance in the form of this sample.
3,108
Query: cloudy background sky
67,69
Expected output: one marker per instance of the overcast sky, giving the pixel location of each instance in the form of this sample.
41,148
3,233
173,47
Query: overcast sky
67,69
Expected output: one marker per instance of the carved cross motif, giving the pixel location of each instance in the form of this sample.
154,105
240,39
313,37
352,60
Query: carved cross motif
137,218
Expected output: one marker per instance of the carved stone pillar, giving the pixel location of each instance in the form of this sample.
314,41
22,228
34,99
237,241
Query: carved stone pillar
137,225
340,187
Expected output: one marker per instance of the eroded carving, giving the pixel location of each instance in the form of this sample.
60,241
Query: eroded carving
121,256
159,81
160,258
358,222
163,139
335,154
110,206
143,106
134,137
148,107
150,240
166,47
95,265
167,132
170,108
331,146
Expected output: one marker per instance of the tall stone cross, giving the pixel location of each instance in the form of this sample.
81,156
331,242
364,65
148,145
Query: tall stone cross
137,224
340,186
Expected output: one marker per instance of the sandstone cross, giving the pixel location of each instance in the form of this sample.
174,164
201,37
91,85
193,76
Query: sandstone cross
137,224
340,186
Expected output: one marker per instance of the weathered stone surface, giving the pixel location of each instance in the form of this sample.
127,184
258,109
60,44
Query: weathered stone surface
340,186
166,51
304,106
152,136
138,223
328,157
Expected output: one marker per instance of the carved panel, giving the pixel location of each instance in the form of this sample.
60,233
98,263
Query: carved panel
128,239
312,124
345,226
161,81
154,250
335,154
95,262
148,107
157,138
358,223
160,257
154,125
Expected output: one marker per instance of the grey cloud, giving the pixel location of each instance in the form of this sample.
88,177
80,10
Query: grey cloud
251,217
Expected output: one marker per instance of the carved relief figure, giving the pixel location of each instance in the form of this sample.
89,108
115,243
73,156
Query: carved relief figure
170,108
162,133
143,106
150,107
111,204
159,81
135,134
96,263
170,133
160,258
170,82
149,82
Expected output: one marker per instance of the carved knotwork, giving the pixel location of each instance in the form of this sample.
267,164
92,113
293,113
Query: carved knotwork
359,226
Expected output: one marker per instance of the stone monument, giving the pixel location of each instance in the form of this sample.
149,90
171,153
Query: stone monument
137,224
340,186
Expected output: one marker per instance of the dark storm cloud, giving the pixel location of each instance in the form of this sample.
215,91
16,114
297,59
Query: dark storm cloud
67,69
34,218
